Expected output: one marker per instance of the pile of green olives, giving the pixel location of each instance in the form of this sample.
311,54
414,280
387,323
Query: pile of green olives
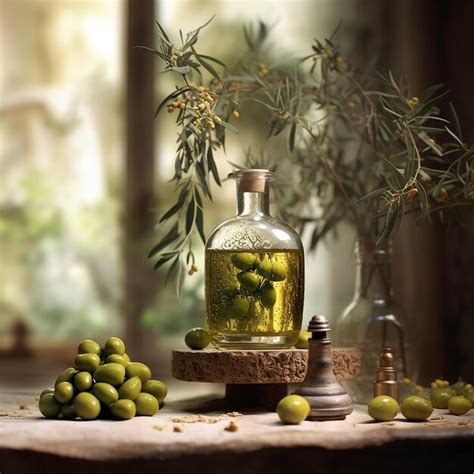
104,383
257,276
457,398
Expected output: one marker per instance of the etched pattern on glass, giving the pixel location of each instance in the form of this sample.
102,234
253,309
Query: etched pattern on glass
242,237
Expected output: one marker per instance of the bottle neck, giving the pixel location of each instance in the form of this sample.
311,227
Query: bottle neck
251,202
374,273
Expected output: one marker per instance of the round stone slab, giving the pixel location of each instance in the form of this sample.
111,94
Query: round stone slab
257,367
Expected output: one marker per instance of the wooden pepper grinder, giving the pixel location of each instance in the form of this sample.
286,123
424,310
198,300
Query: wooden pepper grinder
326,396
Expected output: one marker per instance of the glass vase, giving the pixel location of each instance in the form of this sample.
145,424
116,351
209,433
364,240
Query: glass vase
254,273
374,320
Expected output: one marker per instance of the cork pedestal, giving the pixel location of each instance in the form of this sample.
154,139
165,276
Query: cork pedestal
256,378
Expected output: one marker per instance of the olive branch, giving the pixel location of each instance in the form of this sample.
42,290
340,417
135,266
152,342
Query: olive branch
358,145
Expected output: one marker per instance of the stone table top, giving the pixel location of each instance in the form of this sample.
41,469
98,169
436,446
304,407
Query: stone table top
178,440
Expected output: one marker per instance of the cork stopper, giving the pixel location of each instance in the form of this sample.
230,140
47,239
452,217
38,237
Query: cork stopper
252,180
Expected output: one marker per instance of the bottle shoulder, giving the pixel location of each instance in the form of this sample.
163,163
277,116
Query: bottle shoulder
254,232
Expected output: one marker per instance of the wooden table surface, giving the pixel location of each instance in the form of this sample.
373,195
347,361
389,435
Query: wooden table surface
180,440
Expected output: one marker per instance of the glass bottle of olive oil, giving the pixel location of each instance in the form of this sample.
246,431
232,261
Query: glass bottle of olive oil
254,273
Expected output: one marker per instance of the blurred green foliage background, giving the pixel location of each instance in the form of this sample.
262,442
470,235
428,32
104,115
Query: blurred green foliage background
62,146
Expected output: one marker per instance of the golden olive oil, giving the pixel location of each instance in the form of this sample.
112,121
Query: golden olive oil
254,299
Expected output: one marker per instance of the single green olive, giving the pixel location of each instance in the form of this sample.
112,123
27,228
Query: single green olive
470,395
440,396
268,294
197,339
147,404
66,376
130,389
67,411
156,388
264,268
124,409
383,408
293,409
239,307
118,359
49,406
415,408
279,271
63,392
459,405
249,280
114,345
303,340
83,381
88,346
105,392
86,406
243,260
111,373
46,390
126,358
137,369
88,362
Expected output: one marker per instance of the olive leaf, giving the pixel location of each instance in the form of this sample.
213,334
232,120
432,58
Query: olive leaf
190,215
170,237
206,66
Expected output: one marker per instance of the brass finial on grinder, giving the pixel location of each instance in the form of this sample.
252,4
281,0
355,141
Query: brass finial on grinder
385,382
326,396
